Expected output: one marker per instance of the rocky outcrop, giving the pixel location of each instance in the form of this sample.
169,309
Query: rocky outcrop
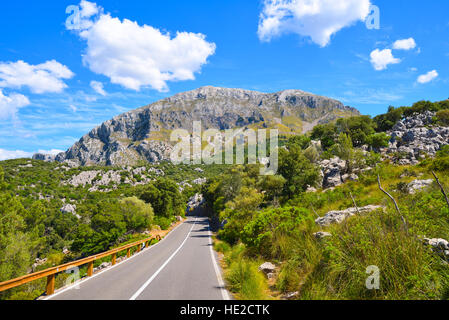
44,157
334,173
414,138
418,185
333,217
70,208
143,134
195,202
105,181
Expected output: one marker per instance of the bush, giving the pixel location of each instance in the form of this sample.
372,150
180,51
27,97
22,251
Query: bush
137,214
268,230
163,222
244,278
408,270
443,117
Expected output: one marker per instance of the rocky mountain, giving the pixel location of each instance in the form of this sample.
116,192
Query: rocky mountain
143,134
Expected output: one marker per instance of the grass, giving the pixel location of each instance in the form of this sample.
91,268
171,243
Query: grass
336,267
243,277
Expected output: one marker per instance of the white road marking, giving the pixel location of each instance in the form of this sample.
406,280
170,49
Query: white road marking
221,283
146,284
78,283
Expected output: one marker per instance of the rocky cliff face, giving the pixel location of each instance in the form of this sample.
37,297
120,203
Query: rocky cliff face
143,134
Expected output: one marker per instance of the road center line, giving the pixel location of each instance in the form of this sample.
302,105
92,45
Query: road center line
146,284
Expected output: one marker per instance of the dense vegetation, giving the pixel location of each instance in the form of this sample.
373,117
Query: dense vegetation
32,226
265,218
273,219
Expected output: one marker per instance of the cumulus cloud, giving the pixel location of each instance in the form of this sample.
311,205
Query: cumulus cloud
317,19
41,78
9,105
428,77
136,56
405,44
380,59
16,154
98,87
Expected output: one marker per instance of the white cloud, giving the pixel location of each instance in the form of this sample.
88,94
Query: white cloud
405,44
317,19
9,105
17,154
8,154
41,78
137,56
98,87
88,9
429,76
381,59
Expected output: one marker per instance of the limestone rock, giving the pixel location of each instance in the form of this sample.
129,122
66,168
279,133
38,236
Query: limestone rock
267,268
418,185
339,216
321,235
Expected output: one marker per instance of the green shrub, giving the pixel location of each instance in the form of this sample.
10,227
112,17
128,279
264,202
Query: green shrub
245,280
443,117
163,222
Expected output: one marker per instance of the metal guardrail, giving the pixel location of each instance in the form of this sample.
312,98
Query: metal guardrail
51,272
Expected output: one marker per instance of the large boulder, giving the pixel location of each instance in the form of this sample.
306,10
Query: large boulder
418,185
332,172
70,208
267,268
333,217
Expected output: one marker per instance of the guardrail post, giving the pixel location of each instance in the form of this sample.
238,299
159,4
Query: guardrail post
50,285
139,247
128,252
114,259
90,269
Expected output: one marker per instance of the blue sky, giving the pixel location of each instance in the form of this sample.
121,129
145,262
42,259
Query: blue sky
57,84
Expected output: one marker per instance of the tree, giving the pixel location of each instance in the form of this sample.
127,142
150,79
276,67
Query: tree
378,140
297,170
137,214
357,128
326,133
302,141
15,244
164,197
344,149
272,186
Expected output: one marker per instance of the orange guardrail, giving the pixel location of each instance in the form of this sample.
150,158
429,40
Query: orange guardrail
51,272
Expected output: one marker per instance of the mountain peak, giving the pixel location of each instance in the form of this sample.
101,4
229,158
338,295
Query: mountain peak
143,134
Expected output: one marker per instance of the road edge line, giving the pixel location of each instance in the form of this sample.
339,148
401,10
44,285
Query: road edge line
221,282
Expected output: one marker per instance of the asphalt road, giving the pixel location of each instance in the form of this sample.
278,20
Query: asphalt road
182,266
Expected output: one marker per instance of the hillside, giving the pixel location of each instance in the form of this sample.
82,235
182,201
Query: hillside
143,134
316,226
